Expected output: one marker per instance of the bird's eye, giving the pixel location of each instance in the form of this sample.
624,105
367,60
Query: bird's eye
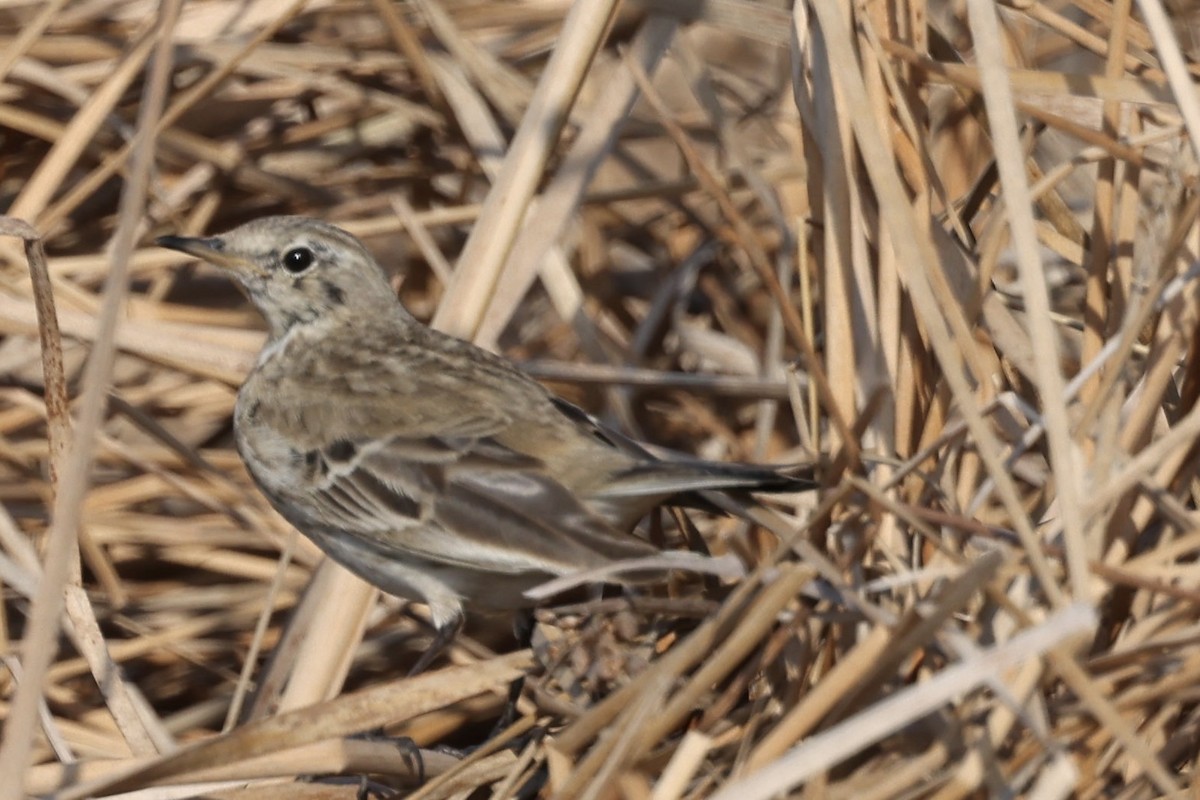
298,259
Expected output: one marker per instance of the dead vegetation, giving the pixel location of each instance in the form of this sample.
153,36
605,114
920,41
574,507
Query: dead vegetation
950,263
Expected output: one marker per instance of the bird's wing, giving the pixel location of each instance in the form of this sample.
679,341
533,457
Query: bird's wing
461,501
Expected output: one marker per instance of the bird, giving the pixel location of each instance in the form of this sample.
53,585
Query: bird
432,468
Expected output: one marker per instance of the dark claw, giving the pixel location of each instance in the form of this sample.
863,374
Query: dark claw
409,750
366,791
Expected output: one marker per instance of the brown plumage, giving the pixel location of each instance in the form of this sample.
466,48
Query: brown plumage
433,469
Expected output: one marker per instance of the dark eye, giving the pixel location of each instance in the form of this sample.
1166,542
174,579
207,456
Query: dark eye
298,259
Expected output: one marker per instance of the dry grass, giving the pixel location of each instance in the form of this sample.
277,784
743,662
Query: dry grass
951,264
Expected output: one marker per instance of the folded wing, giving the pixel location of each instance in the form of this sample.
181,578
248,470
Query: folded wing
463,502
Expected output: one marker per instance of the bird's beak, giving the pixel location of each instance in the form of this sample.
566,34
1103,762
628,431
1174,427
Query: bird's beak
211,249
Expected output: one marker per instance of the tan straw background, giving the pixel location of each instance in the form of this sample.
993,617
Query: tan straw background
944,251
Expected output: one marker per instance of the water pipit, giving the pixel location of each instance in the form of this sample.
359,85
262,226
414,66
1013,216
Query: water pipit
433,469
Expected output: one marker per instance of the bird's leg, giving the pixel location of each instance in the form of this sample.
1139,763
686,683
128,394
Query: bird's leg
523,624
443,636
509,715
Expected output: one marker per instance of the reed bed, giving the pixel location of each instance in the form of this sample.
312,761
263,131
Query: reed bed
943,254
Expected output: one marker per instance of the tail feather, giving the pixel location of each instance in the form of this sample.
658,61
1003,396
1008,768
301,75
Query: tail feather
665,479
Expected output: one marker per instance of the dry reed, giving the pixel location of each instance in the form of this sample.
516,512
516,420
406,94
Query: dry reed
942,251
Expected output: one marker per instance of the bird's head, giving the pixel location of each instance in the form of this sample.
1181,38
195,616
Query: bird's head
297,270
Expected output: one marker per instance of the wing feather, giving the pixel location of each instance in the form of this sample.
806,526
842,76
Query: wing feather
462,502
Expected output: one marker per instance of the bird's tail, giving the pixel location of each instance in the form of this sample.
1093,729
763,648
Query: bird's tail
629,496
665,479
